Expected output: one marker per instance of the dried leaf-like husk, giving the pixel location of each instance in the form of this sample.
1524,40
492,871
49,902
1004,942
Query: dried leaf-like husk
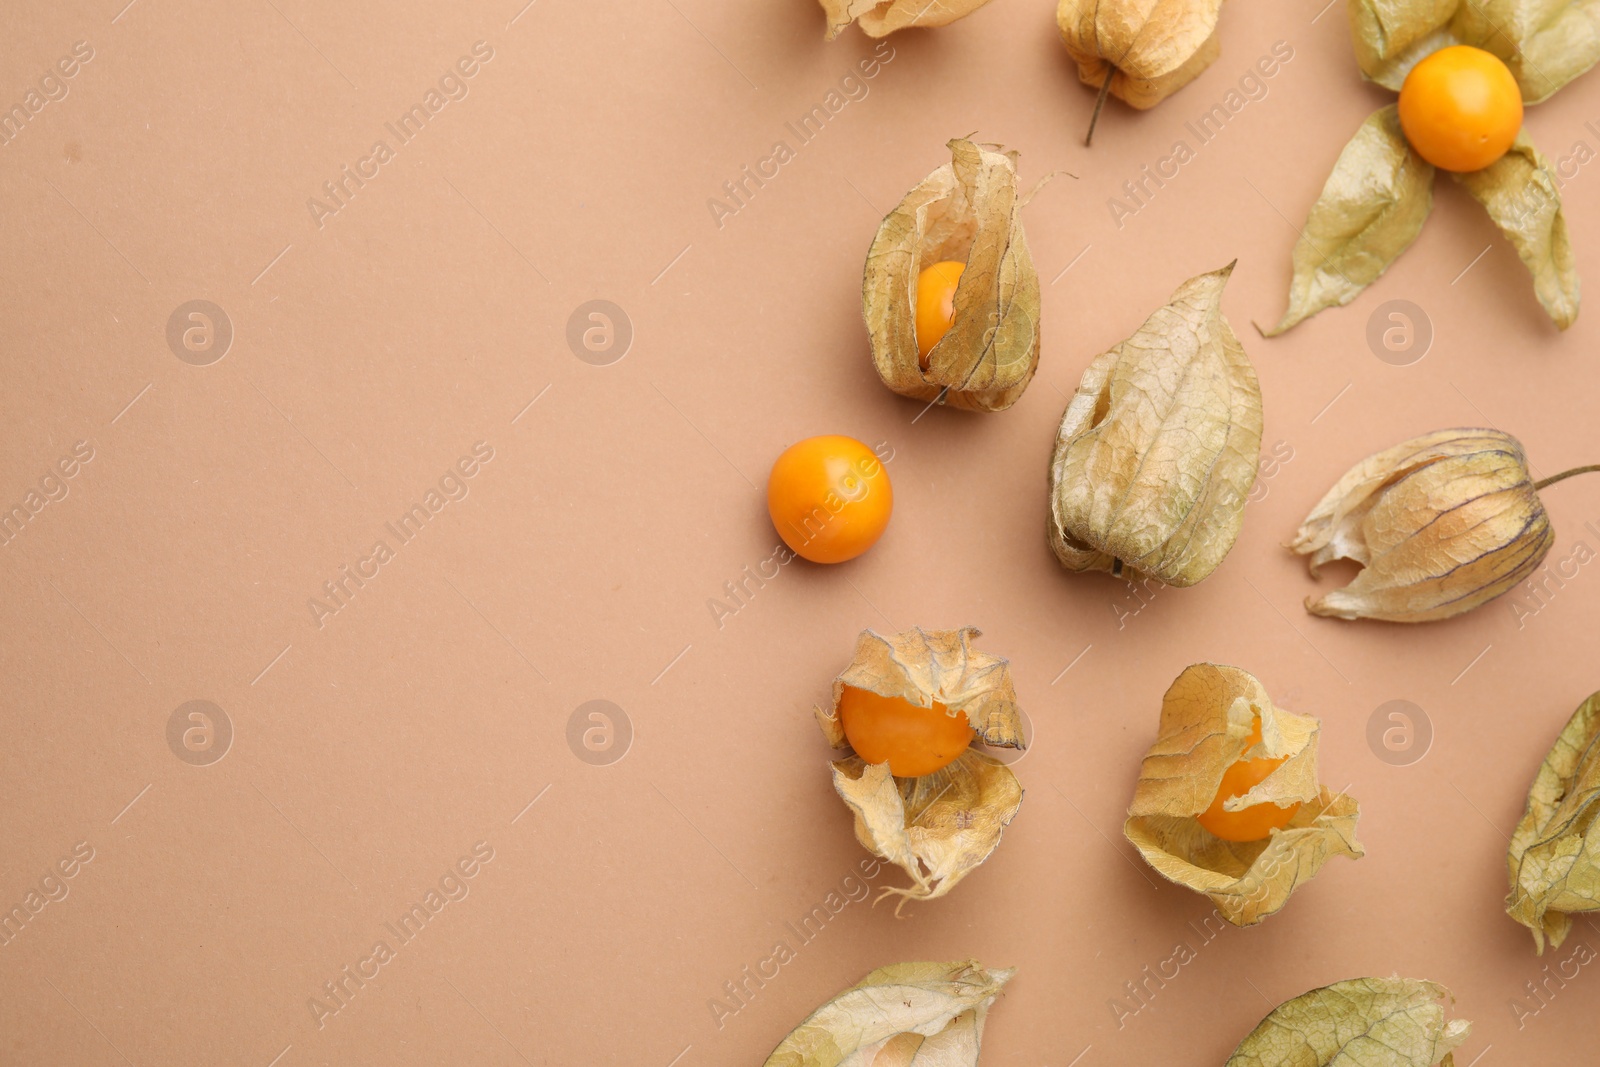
1371,209
936,827
927,1014
879,18
1554,859
1371,1022
1391,36
1545,43
1206,721
969,211
1441,524
1149,48
1523,197
1158,447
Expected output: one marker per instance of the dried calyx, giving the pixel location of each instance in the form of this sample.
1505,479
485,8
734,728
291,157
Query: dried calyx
966,213
937,826
928,1014
1158,447
1373,1022
1228,803
1440,524
1140,51
1554,859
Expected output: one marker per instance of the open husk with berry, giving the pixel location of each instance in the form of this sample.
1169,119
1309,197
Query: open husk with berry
965,216
914,710
1228,802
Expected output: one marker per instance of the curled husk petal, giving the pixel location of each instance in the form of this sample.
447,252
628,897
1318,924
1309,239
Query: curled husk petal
1371,209
936,827
1545,43
1148,48
1206,722
879,18
1554,859
969,211
1374,1022
1440,524
1158,447
924,1013
1391,36
1523,197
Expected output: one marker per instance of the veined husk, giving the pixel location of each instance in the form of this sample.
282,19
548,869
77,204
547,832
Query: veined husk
929,1014
1149,48
1206,721
1372,207
1373,1022
1440,524
1545,43
1522,196
879,18
969,211
936,827
1554,860
1158,447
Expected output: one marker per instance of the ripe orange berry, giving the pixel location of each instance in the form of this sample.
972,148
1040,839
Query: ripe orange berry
1460,108
936,304
1258,820
829,498
912,740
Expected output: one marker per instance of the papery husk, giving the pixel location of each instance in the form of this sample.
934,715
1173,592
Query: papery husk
879,18
936,827
1370,210
969,211
1370,1022
1545,43
1149,48
1554,859
1206,722
929,1014
1441,524
1523,197
1158,447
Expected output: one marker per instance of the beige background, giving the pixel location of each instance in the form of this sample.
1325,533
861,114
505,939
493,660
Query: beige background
371,752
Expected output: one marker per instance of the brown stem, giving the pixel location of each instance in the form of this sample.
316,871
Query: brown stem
1554,478
1099,102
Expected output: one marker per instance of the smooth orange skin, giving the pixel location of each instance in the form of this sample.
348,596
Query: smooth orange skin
911,740
936,304
1460,108
1256,822
829,498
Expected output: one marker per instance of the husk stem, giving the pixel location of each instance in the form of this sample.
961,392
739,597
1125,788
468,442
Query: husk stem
1554,478
1099,102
